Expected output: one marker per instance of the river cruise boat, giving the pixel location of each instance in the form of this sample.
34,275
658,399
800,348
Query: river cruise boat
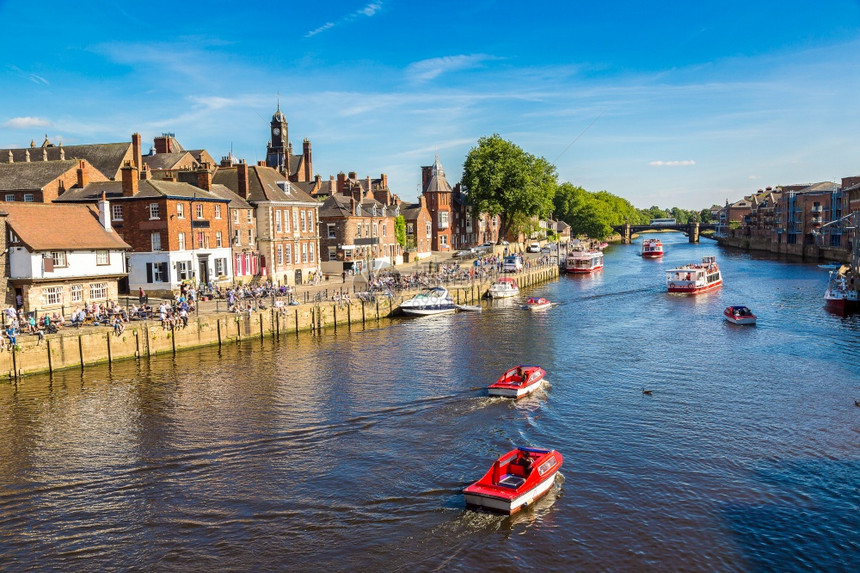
652,248
518,382
739,315
695,278
429,301
840,296
582,261
516,480
537,303
503,288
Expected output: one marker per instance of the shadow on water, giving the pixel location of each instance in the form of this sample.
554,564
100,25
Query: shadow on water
802,527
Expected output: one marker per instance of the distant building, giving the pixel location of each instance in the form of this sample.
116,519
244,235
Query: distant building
279,152
44,181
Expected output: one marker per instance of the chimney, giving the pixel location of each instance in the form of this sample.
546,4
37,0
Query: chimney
146,173
384,181
204,177
422,201
244,190
83,176
306,151
136,150
261,163
341,183
162,144
352,205
104,213
130,180
352,175
369,184
226,161
426,173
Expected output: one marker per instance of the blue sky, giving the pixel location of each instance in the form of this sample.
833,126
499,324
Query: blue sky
664,103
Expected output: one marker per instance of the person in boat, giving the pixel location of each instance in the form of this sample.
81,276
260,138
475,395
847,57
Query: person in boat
521,374
525,461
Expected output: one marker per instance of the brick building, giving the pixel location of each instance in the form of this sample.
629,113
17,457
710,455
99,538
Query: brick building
43,181
439,197
279,152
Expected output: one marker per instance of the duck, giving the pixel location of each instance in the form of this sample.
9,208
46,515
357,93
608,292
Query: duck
649,392
857,403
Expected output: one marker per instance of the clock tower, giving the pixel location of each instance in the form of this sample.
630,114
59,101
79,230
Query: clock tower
278,151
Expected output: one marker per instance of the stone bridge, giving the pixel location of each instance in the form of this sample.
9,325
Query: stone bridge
691,229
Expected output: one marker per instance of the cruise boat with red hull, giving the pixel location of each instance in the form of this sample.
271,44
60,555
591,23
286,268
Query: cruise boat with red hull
652,248
516,480
518,382
739,315
695,278
581,261
840,297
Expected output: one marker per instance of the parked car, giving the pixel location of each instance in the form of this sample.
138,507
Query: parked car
533,248
513,264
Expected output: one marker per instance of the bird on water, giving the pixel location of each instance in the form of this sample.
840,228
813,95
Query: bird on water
646,392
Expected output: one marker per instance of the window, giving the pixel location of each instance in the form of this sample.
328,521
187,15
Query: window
237,238
304,252
410,229
288,253
98,291
304,222
218,211
220,267
286,221
155,239
236,216
77,293
298,255
311,251
200,238
367,229
29,198
383,229
153,210
117,212
443,240
59,258
199,208
180,210
52,296
250,216
429,229
278,221
296,219
332,230
183,270
311,221
443,219
280,255
332,253
156,272
102,257
251,237
218,242
358,231
181,238
10,196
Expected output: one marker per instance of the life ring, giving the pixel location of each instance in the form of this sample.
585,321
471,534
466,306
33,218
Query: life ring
672,285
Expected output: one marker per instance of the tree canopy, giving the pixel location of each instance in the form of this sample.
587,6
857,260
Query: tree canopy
502,179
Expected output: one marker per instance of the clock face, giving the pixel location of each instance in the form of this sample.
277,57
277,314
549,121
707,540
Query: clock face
276,131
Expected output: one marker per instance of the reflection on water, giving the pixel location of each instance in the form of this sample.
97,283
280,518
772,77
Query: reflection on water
348,450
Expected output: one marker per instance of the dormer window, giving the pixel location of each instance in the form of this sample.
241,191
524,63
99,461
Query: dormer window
374,211
358,210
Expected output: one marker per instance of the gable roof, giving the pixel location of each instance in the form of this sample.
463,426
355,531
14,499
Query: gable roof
148,188
264,184
106,157
166,160
33,175
72,227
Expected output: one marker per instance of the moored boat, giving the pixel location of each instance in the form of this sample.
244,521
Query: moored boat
582,261
516,480
537,303
518,382
429,301
695,278
503,288
739,315
652,248
840,296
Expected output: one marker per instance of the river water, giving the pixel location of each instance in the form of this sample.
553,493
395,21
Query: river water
347,451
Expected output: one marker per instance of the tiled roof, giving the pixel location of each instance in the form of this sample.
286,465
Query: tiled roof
72,227
236,202
106,157
165,160
264,184
151,188
437,182
33,175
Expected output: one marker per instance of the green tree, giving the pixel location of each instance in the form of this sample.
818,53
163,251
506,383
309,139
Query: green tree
400,230
502,179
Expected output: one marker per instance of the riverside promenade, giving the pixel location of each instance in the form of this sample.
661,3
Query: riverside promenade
331,304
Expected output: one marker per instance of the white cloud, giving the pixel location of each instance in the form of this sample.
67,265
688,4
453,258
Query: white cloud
432,68
369,11
26,122
672,163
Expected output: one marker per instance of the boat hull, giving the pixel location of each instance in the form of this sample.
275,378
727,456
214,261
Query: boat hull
509,505
539,306
510,391
652,255
741,320
427,311
502,293
693,289
579,271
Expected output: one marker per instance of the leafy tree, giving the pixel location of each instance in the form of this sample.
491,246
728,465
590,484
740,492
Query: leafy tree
502,179
592,218
705,215
400,230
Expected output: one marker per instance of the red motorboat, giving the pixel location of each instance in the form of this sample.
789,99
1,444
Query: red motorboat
518,382
537,303
516,479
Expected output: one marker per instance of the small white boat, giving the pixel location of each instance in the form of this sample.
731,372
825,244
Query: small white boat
739,315
503,288
469,308
429,301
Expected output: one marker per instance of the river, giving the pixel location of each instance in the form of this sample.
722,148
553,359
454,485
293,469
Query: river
347,451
